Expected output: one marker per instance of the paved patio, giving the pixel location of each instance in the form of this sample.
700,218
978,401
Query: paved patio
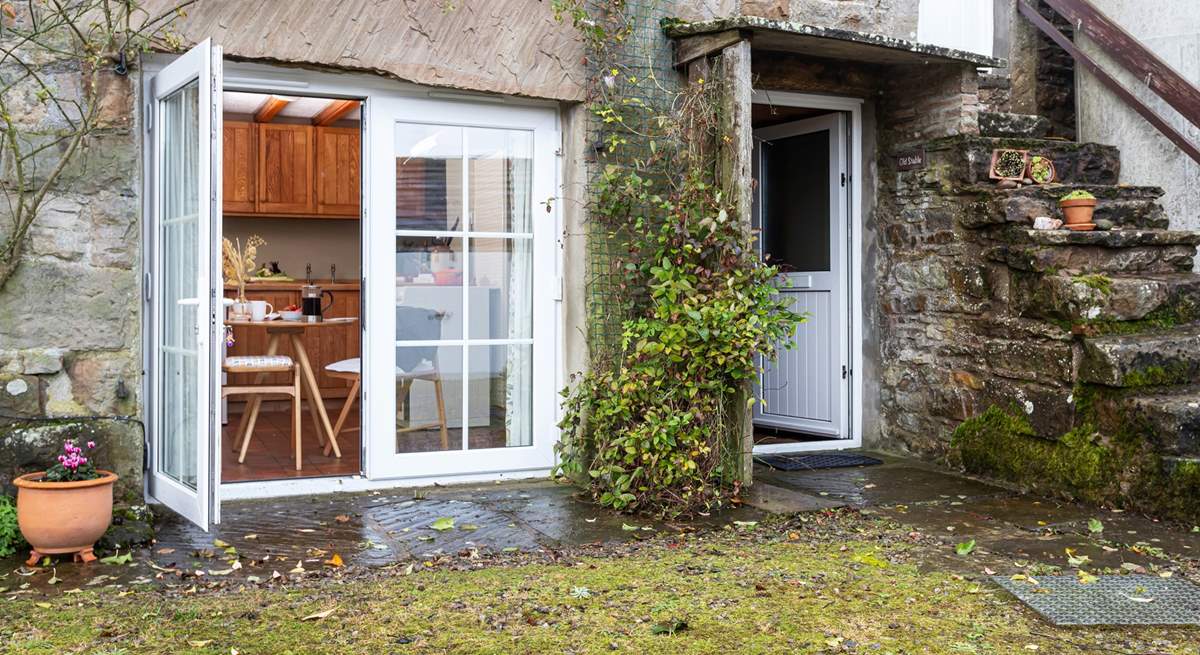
334,534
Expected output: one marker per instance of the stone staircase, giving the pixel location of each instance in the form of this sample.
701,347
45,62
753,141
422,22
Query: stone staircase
1125,300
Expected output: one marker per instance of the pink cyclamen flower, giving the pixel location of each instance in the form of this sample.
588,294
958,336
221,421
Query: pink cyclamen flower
91,444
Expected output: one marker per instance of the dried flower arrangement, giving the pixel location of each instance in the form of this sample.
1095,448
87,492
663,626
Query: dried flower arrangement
237,263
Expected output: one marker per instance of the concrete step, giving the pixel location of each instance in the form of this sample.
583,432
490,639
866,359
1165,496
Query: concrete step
1124,206
1005,125
1096,299
1168,418
1113,251
965,159
1162,358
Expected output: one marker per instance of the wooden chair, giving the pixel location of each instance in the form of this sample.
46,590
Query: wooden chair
351,369
264,364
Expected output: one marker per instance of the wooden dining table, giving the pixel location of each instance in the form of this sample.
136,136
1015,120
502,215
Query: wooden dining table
294,331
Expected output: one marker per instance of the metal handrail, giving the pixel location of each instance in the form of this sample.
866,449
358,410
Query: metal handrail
1130,54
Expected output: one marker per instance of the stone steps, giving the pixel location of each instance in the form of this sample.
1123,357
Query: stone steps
1114,251
1124,206
967,158
1161,298
1168,418
1006,125
1160,358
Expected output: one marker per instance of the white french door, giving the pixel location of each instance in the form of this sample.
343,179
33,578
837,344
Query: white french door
462,280
802,210
184,113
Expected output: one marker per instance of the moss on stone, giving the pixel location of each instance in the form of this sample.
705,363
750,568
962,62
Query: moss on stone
1098,281
1115,467
1003,444
1163,318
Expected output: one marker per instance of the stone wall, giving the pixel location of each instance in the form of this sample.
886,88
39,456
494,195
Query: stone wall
70,337
964,328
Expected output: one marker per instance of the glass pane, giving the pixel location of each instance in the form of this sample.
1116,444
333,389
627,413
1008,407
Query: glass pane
500,179
179,351
429,393
428,177
429,288
503,375
796,218
501,288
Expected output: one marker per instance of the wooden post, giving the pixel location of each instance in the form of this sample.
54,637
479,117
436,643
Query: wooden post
734,176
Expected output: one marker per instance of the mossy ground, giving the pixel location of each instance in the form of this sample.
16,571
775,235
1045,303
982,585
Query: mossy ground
775,588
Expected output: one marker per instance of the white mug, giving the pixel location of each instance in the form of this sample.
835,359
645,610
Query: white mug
239,310
259,311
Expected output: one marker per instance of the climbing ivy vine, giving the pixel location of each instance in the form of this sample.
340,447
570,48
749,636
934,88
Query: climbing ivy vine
654,424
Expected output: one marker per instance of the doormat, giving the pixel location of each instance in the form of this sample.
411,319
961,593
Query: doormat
815,461
1110,600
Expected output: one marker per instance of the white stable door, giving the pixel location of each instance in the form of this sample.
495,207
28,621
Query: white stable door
460,239
183,115
801,208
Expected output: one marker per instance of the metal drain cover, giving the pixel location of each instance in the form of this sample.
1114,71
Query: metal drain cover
1110,600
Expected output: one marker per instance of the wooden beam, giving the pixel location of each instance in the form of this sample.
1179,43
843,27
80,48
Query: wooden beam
1135,57
1108,81
690,48
269,109
334,111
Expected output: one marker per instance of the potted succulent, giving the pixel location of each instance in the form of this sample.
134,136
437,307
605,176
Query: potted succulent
1041,170
1008,164
66,508
1077,207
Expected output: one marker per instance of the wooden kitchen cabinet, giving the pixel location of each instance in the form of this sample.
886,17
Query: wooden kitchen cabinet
285,169
240,163
324,346
338,171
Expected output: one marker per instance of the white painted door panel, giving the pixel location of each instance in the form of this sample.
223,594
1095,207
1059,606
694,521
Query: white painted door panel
802,209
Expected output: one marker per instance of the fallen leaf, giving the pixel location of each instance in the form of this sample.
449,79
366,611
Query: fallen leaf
305,530
217,543
1094,526
117,558
44,606
749,525
468,527
317,616
200,643
342,518
250,537
443,524
335,561
629,528
1085,577
965,548
1076,560
299,567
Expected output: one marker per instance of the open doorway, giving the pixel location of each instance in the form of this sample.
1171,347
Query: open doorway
291,180
803,210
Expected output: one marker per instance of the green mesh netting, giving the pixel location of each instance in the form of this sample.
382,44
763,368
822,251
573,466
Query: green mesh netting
643,61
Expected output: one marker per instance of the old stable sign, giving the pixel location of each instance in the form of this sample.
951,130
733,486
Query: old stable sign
910,160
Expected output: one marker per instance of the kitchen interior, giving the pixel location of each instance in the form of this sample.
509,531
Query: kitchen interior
292,180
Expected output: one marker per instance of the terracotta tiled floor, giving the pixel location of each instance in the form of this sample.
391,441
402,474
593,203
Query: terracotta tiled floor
271,457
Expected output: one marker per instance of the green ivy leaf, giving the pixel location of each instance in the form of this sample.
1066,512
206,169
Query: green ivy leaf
965,548
1095,526
443,524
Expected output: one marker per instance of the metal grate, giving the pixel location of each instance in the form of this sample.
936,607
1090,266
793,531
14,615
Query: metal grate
816,461
1110,600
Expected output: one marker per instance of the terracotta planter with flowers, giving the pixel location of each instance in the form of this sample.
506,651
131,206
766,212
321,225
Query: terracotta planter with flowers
66,508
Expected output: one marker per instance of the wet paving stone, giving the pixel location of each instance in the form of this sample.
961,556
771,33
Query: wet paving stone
894,482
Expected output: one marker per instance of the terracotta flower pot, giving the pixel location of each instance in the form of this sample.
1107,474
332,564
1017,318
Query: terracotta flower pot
63,517
1078,213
